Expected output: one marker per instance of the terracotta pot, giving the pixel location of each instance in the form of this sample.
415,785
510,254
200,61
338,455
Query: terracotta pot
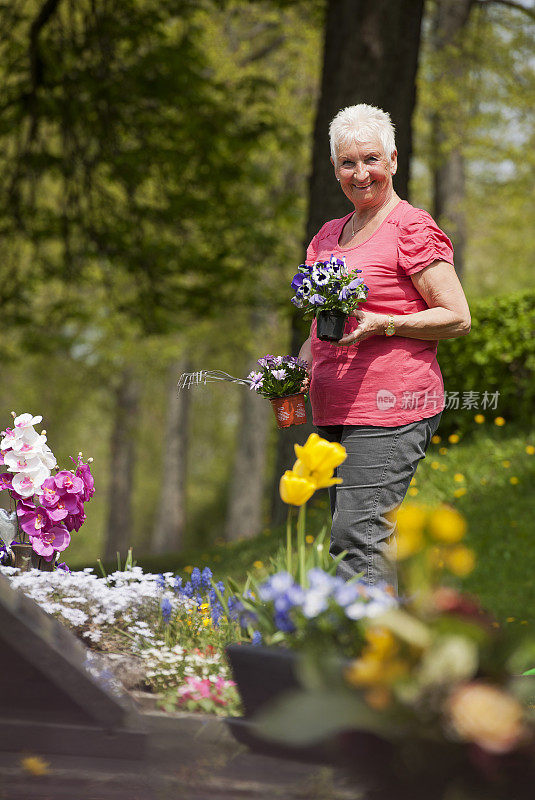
289,410
330,325
25,558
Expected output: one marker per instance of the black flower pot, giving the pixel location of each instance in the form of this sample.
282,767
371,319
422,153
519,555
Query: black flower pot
330,325
264,674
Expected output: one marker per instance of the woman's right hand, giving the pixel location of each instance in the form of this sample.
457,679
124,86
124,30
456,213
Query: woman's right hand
306,352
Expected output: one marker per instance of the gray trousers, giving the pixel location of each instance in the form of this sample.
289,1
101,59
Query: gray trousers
376,474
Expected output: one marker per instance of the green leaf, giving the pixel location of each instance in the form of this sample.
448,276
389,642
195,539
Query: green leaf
307,717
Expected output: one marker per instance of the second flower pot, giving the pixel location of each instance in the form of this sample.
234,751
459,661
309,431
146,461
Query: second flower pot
330,325
289,410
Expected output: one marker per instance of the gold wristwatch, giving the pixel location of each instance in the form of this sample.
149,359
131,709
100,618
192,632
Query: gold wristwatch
390,328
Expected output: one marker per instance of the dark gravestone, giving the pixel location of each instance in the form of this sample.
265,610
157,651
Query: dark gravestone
49,703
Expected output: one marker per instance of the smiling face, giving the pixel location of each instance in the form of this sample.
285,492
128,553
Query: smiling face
365,174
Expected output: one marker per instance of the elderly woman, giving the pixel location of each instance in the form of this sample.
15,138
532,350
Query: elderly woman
379,390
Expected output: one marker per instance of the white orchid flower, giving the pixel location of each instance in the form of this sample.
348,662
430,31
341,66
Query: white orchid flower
20,462
28,483
26,421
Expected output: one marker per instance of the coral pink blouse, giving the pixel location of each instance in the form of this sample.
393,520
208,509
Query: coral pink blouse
384,380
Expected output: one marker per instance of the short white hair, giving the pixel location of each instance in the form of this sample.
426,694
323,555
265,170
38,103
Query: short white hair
361,123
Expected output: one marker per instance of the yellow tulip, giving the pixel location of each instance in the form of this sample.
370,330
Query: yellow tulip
319,455
321,479
294,490
460,560
447,525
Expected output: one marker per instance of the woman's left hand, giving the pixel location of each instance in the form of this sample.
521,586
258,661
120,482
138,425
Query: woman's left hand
369,324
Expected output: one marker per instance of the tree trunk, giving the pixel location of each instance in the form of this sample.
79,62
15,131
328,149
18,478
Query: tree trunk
244,513
370,56
371,52
448,124
171,515
122,460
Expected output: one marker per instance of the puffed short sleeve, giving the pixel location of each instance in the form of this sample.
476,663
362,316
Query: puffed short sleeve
421,242
313,247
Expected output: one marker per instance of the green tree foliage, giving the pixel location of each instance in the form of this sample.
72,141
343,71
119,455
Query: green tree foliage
489,115
121,156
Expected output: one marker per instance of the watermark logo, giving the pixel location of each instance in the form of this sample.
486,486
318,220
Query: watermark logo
452,400
385,400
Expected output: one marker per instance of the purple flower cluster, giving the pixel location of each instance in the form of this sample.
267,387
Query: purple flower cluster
279,376
325,593
200,589
327,284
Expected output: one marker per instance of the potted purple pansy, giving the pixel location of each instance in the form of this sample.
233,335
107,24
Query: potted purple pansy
329,291
47,503
284,381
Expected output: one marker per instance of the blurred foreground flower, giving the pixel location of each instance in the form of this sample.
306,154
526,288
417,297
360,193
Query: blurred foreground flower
486,715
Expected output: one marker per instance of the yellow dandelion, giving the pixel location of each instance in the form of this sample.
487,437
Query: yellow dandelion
453,438
435,465
479,418
443,451
511,619
309,539
506,463
459,492
460,560
206,621
204,606
436,439
447,525
483,481
495,624
523,622
499,421
188,569
35,765
413,491
458,477
258,564
513,479
530,449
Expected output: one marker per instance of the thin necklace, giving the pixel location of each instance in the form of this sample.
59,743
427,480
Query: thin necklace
353,231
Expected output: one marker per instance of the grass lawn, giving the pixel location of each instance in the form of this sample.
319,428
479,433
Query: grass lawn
489,476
